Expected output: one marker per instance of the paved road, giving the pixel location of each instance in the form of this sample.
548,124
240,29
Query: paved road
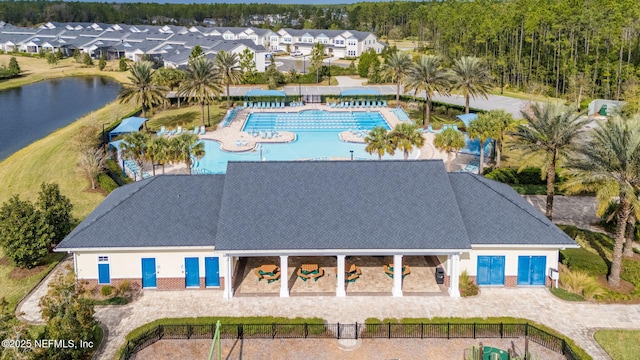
511,105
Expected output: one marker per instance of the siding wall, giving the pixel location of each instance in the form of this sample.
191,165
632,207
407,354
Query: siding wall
128,265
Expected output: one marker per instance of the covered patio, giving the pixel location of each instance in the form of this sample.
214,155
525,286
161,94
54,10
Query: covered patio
265,95
363,276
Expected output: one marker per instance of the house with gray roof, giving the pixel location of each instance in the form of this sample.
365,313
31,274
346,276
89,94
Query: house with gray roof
200,231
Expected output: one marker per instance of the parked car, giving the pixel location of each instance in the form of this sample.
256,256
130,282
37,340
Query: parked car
296,53
277,52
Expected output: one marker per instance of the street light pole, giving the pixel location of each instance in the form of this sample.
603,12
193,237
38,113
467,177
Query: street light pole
329,71
351,151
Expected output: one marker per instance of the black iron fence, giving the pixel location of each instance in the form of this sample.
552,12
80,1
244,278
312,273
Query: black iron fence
351,331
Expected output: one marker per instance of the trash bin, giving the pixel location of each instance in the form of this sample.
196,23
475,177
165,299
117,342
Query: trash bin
439,275
603,110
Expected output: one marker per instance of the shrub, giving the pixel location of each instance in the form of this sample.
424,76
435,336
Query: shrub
467,287
106,183
585,261
528,176
581,283
106,290
124,288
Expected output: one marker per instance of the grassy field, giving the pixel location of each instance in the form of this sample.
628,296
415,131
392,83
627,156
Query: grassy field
185,116
16,283
36,69
620,344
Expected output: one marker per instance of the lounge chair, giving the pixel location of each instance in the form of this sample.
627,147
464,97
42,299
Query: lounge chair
243,142
384,103
203,130
162,131
238,143
244,106
430,128
179,131
196,130
269,135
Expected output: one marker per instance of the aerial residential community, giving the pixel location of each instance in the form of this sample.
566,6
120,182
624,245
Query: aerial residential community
368,180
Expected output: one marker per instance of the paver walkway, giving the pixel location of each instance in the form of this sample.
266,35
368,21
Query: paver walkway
28,309
575,320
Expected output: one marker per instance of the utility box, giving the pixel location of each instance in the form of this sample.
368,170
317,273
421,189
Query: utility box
439,275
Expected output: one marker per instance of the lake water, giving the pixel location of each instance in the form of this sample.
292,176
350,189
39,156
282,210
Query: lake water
34,111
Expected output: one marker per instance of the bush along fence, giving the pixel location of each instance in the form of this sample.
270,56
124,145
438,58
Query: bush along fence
351,331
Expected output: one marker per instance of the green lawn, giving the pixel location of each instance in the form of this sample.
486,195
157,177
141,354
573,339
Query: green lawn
620,344
16,283
51,159
186,116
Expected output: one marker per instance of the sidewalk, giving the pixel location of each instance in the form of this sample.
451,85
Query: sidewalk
575,320
28,309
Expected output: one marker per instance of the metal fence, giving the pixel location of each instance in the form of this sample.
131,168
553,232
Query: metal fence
351,331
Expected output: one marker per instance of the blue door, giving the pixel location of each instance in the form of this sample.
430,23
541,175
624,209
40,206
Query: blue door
212,271
531,270
192,272
104,276
490,270
148,272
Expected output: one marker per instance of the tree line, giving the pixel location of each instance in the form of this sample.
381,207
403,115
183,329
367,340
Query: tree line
562,48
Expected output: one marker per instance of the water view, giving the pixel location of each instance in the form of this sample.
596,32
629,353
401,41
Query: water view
32,112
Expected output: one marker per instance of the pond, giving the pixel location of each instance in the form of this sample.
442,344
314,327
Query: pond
31,112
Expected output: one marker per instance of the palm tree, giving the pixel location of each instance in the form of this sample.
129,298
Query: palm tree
227,64
504,123
428,75
201,82
609,163
143,89
186,146
378,141
449,140
550,133
471,78
158,151
483,129
405,136
396,67
134,146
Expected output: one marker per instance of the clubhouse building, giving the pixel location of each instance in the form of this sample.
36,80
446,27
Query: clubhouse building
297,228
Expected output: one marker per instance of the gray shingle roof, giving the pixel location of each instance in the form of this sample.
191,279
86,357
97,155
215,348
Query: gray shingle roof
494,213
176,210
339,205
313,205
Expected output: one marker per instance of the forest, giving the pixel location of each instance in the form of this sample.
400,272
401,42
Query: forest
574,49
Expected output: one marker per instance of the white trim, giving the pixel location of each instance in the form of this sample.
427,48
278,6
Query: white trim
228,290
340,285
127,249
350,252
284,276
108,263
397,276
454,277
515,246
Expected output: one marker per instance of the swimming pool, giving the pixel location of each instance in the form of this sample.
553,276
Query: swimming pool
317,138
315,120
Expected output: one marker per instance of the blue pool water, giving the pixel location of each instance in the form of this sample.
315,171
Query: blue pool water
317,138
315,120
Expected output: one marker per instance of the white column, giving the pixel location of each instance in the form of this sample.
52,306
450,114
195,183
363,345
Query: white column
454,276
284,276
397,275
228,285
340,288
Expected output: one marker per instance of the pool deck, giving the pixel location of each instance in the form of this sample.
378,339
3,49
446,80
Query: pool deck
228,136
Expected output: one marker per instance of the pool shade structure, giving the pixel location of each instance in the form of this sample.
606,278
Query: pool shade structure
265,94
360,94
467,118
128,125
